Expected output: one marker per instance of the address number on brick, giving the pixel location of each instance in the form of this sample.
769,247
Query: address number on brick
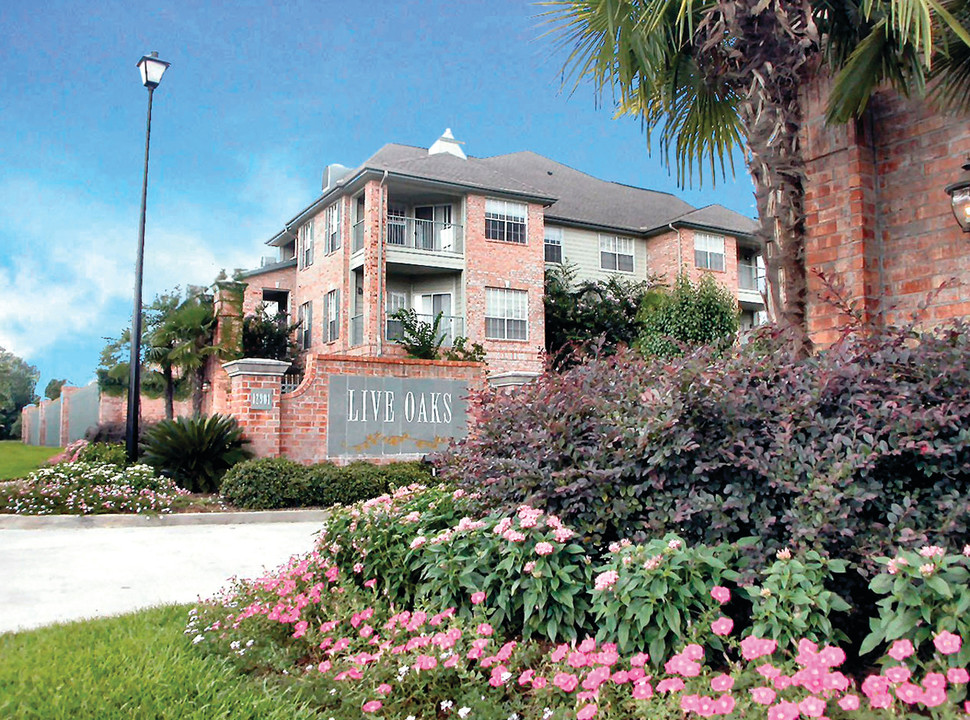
261,399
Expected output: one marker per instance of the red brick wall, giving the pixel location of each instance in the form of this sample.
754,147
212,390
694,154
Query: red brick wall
878,220
115,409
282,279
505,265
663,258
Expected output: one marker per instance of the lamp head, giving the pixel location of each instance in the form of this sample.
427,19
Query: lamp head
152,70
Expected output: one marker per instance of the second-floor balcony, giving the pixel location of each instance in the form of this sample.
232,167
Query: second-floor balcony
426,235
751,277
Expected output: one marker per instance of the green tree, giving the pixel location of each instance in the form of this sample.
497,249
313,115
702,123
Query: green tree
711,75
17,383
592,310
53,389
690,315
265,336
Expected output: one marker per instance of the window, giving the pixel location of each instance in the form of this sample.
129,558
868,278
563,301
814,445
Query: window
506,313
616,253
306,245
331,316
306,324
709,251
333,228
505,221
553,245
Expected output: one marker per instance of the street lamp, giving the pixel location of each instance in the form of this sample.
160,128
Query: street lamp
959,193
151,74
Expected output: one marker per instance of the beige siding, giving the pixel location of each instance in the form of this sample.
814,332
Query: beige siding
581,249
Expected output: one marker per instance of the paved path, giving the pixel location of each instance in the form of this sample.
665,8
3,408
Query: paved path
74,568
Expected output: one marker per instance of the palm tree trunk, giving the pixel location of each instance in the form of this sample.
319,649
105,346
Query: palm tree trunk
169,379
197,394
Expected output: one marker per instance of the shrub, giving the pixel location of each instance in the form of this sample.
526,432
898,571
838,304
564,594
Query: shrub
656,596
925,592
266,484
331,484
83,488
690,315
843,453
195,452
110,453
265,336
71,453
421,339
792,601
113,432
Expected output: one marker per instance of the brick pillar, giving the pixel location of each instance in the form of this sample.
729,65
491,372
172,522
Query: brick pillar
254,400
42,419
375,199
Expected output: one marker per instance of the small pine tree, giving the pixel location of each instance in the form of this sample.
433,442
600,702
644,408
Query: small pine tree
689,315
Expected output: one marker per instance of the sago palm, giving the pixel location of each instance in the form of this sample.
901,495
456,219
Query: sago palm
713,75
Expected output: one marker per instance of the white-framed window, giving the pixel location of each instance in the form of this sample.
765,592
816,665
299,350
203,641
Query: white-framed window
553,241
709,251
332,239
331,316
505,221
506,314
306,244
616,253
396,301
306,324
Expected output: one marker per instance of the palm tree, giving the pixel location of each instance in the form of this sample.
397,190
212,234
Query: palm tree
192,327
714,75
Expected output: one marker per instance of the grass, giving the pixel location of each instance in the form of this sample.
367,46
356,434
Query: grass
17,459
126,668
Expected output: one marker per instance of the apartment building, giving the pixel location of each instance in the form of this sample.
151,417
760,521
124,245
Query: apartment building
441,232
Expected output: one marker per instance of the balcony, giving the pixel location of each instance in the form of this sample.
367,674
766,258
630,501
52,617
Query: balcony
357,236
424,235
451,326
356,330
750,277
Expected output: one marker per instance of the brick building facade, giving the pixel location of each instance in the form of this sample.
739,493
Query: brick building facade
878,220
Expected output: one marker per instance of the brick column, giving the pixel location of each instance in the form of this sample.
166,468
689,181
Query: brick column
374,263
66,393
254,400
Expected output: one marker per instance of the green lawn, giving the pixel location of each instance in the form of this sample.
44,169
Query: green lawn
126,668
17,459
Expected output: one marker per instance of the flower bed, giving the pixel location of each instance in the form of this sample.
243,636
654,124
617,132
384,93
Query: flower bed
83,488
408,609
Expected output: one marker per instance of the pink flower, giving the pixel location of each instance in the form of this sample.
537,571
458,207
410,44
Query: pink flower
418,542
947,643
934,680
544,548
849,703
934,697
559,653
586,712
958,676
929,551
901,649
642,690
639,660
500,674
762,695
670,685
721,594
383,688
372,706
370,584
562,534
529,567
606,580
768,671
485,629
752,647
722,683
588,645
693,652
425,662
722,626
725,704
539,683
526,677
478,598
897,673
567,682
577,659
784,711
811,707
909,693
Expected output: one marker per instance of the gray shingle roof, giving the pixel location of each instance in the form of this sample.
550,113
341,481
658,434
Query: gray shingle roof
718,217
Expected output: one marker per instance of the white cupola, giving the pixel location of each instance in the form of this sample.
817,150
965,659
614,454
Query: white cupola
447,144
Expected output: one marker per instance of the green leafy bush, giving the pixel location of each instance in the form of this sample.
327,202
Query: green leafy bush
265,336
111,453
267,484
924,592
792,601
91,488
421,339
195,452
331,484
690,315
844,453
656,597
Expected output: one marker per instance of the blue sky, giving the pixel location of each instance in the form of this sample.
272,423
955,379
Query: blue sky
260,97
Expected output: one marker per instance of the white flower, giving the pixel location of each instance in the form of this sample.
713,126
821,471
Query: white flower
446,704
197,639
463,712
546,713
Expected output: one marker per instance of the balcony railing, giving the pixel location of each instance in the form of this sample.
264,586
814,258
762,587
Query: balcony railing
449,328
428,235
357,232
750,277
356,330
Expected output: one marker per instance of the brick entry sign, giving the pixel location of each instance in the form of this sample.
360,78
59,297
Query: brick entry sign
385,416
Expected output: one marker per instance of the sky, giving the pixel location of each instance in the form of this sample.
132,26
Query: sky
259,98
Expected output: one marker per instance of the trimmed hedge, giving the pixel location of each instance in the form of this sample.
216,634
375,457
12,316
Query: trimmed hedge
272,483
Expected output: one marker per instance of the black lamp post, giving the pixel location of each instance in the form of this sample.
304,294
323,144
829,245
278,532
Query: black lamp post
959,193
151,74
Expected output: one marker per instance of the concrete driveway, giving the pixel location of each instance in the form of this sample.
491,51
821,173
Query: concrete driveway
69,568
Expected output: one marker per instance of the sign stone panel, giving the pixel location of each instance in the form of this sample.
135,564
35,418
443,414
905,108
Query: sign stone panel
386,416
